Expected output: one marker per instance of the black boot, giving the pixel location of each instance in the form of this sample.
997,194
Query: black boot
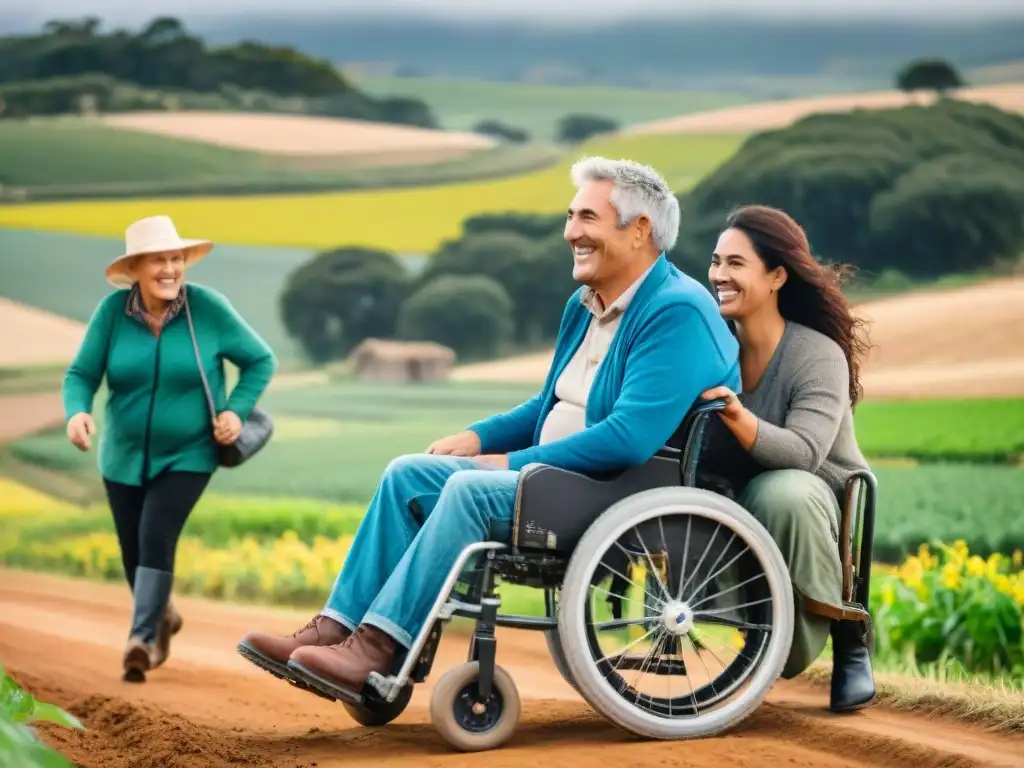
853,684
152,592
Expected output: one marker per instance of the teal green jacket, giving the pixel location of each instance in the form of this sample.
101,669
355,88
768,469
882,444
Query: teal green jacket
671,346
157,417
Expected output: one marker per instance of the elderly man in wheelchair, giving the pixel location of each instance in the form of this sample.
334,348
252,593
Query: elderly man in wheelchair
669,607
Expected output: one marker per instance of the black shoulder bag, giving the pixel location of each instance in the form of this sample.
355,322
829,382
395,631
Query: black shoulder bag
256,430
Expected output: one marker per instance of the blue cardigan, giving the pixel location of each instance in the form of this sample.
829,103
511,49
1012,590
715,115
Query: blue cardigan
672,345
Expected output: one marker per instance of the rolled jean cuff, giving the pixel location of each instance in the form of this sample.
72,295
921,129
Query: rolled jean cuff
341,618
397,634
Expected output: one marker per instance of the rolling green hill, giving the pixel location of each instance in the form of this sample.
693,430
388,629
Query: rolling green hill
69,157
461,104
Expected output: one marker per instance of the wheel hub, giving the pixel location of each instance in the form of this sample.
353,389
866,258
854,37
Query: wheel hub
677,618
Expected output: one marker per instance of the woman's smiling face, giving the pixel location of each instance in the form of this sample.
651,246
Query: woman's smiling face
160,274
739,277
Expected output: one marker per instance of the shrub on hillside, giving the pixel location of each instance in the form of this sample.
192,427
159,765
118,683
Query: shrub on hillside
528,224
949,215
536,278
501,131
928,75
844,175
576,128
341,297
472,314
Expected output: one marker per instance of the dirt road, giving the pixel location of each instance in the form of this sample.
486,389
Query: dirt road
207,707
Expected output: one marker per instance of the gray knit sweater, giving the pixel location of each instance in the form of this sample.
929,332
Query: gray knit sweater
804,417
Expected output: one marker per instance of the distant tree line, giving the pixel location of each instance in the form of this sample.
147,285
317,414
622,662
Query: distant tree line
911,193
163,65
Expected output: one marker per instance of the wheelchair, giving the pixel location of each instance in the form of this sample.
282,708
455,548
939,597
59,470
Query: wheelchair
652,535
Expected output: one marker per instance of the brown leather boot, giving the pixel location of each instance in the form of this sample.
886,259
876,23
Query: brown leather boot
271,652
138,659
348,665
170,626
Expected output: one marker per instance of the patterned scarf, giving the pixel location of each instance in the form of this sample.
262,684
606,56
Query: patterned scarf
135,308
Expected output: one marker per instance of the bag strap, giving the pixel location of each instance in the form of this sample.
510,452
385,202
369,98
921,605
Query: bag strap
199,359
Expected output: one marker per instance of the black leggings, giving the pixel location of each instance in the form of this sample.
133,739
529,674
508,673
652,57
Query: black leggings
149,518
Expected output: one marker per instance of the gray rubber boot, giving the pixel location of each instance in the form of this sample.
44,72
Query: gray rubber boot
152,593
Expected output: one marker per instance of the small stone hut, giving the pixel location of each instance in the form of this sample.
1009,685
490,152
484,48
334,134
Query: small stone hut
401,361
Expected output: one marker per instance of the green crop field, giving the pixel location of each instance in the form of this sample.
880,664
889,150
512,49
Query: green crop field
461,104
982,430
413,220
944,502
332,443
66,158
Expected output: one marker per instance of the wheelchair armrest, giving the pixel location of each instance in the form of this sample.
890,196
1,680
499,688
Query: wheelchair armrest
554,507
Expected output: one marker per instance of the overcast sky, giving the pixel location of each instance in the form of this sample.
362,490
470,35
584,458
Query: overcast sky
134,11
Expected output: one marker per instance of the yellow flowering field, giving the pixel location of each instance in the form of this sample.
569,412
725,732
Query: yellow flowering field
17,499
285,571
411,220
948,605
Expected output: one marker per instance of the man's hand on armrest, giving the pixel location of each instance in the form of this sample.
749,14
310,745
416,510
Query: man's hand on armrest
465,443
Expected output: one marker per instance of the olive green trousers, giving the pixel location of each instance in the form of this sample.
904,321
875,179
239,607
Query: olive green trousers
802,515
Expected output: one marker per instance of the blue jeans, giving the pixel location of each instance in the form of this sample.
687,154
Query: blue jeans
396,565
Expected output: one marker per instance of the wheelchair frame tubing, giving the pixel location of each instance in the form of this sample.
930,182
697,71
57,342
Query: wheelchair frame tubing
389,686
483,644
865,537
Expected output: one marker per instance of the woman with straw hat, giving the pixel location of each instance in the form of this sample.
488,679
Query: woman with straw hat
159,449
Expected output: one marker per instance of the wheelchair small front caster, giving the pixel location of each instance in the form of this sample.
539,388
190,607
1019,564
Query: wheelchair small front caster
465,720
375,711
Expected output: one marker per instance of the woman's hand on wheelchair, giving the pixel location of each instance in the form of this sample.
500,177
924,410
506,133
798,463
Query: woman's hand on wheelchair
733,407
466,443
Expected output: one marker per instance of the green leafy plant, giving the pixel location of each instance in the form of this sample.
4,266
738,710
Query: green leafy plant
19,710
953,607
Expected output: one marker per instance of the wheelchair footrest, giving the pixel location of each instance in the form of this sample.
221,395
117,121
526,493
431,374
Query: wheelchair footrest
849,612
384,686
644,664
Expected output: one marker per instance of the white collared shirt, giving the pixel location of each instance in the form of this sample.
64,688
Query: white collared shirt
568,415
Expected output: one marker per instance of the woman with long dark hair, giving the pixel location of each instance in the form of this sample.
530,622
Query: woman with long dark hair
787,443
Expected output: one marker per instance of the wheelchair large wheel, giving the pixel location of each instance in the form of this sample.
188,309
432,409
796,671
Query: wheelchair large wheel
722,598
554,640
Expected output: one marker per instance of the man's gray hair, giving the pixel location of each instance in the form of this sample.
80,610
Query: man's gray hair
637,190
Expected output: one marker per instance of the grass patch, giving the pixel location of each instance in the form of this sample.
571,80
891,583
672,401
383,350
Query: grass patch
69,158
997,704
427,215
31,379
462,104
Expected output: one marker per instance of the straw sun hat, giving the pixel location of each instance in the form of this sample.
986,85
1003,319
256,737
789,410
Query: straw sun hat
152,235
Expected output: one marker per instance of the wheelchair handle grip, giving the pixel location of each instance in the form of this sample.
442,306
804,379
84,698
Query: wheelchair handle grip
707,406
